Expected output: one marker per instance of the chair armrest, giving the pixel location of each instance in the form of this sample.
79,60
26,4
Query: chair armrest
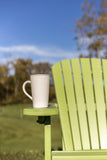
44,117
51,110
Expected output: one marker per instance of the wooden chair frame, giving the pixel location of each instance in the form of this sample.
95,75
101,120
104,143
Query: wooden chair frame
81,91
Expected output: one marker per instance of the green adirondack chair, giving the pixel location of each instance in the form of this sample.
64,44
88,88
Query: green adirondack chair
81,91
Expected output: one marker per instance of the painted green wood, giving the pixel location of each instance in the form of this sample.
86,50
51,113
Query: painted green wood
71,104
80,158
99,96
63,145
67,81
104,63
47,137
49,111
90,103
101,157
79,155
63,110
80,103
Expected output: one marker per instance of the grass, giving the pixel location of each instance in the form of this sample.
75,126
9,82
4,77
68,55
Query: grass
24,135
22,156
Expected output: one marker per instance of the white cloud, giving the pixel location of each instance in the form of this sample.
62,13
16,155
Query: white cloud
40,51
50,54
85,40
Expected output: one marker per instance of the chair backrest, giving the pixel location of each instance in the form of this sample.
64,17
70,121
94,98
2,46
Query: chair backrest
81,92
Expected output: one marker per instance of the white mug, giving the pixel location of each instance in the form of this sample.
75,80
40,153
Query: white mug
40,90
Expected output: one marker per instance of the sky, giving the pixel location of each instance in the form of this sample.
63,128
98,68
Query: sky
42,30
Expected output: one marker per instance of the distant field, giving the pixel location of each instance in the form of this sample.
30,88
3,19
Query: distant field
24,134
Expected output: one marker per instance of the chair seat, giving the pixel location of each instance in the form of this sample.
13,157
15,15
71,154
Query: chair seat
80,155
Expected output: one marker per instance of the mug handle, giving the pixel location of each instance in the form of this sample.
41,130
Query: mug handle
24,90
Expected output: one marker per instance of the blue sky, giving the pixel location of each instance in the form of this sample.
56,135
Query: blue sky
42,30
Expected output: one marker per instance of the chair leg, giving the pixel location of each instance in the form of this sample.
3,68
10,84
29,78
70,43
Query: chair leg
47,130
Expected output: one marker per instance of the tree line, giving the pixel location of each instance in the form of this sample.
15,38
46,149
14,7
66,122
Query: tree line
91,35
12,76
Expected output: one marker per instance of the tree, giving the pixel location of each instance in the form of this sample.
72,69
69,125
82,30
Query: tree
12,76
42,68
91,29
4,74
23,69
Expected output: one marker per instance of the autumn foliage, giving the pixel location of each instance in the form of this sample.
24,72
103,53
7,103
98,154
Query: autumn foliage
12,76
91,29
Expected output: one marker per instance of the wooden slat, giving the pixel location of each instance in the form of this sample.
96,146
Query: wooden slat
84,155
99,95
90,103
97,157
80,153
51,110
63,111
104,63
47,137
80,103
71,104
63,145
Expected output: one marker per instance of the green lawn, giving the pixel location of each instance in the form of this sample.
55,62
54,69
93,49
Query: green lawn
24,134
